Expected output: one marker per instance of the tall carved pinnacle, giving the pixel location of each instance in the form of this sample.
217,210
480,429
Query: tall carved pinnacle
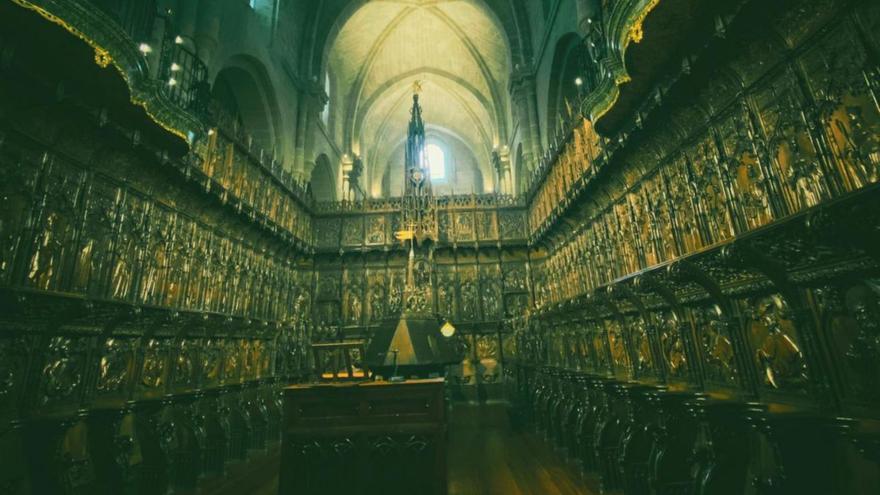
419,212
415,139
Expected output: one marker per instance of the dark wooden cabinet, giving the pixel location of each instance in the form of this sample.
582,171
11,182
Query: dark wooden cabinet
364,438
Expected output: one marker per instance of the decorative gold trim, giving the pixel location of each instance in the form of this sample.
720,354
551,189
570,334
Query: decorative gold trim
103,59
635,31
634,34
594,119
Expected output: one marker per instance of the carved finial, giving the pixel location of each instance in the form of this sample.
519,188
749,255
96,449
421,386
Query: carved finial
417,87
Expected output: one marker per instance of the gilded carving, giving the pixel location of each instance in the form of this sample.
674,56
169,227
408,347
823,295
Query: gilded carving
490,292
514,278
446,293
353,231
672,345
617,348
185,364
715,346
641,343
840,72
396,283
232,365
116,365
464,226
378,296
376,229
212,361
55,226
487,227
354,297
777,351
63,372
468,297
511,224
154,367
131,230
789,144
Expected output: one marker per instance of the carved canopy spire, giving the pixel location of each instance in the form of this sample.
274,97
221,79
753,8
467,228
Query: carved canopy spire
419,212
415,165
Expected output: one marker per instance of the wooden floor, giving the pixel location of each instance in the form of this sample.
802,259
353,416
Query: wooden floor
488,457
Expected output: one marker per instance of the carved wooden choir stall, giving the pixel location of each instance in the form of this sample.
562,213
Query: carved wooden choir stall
676,282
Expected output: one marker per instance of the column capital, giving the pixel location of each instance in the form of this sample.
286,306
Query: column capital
521,81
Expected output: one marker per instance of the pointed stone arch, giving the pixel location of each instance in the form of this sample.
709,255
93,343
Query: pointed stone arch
322,181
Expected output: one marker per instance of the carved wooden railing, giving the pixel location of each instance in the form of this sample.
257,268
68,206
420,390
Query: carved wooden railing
393,204
464,220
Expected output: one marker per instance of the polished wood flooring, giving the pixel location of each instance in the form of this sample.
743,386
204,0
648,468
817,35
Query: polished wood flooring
486,457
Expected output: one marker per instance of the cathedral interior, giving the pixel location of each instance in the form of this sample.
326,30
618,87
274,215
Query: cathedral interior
358,247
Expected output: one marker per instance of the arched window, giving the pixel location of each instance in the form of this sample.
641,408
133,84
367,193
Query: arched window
436,161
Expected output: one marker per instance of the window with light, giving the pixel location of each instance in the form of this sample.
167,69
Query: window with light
436,161
325,113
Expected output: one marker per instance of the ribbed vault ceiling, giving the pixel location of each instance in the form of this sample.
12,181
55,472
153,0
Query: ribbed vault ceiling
455,47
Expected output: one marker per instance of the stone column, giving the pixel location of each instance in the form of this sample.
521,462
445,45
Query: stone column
501,164
186,14
311,102
208,29
299,152
524,99
505,178
343,189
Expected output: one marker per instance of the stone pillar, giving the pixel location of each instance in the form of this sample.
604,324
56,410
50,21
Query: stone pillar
187,11
300,140
501,164
208,29
524,98
311,101
343,189
506,173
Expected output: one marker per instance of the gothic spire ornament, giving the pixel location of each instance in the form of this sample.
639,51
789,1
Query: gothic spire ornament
414,342
419,213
